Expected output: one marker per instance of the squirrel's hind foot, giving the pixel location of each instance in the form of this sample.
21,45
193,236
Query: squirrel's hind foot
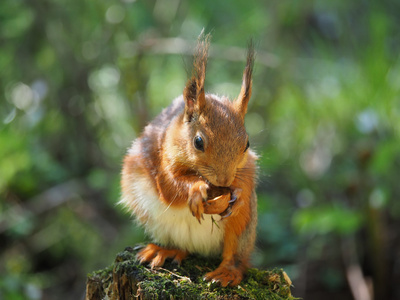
156,255
225,275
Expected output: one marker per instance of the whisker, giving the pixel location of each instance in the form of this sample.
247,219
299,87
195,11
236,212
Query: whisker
166,209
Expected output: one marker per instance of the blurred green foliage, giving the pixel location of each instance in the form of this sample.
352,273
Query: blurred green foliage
80,79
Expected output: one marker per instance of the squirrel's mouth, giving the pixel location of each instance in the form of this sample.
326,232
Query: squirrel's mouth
214,186
217,181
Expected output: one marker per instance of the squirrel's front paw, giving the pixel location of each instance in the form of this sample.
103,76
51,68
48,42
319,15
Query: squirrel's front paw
197,197
234,204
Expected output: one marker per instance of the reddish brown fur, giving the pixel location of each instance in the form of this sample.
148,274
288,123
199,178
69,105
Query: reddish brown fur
184,176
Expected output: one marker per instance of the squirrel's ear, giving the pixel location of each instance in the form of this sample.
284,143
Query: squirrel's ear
245,91
193,93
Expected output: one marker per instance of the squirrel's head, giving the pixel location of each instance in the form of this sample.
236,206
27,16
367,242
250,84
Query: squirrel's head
218,143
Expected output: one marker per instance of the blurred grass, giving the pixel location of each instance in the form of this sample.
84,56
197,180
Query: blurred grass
80,79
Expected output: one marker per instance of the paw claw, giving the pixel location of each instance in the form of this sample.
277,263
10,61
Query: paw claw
233,200
226,213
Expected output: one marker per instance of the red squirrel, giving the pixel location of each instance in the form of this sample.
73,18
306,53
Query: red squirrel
195,149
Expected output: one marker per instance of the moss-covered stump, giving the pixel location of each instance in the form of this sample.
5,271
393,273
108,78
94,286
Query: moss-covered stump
126,279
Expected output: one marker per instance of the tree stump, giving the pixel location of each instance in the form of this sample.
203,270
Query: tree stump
127,279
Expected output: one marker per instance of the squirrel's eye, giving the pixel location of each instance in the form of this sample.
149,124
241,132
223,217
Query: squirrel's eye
198,143
247,146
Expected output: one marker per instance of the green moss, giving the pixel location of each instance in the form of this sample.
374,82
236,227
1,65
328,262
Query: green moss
186,281
101,273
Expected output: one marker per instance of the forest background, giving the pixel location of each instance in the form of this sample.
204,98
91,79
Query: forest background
80,79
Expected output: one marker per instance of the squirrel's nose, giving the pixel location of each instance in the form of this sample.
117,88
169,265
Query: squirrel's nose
224,181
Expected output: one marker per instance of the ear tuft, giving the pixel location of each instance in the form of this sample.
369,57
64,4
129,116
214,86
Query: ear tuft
193,93
245,92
